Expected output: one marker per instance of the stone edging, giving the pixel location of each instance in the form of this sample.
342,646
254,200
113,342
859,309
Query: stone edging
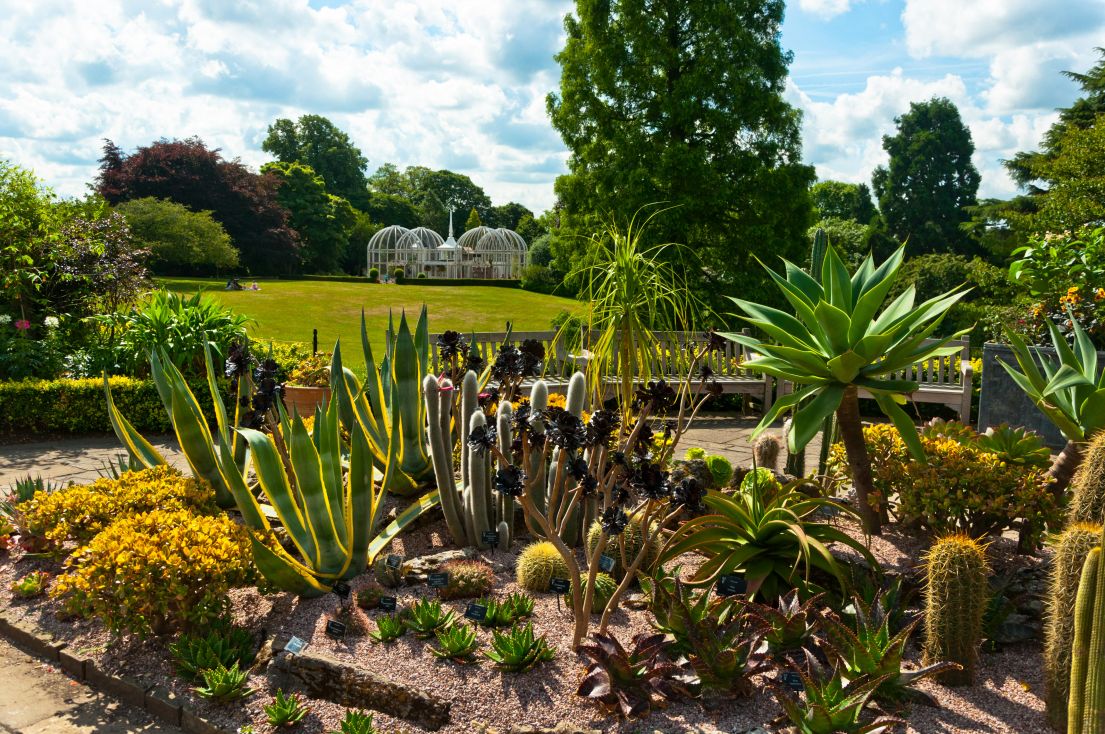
157,701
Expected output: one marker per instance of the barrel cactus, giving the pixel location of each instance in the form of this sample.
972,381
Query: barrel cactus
1087,503
468,579
605,586
956,593
1071,549
633,538
538,564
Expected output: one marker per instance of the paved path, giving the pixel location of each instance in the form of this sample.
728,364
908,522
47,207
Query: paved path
81,460
37,698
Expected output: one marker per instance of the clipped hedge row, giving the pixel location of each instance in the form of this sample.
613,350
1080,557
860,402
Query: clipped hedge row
79,406
414,281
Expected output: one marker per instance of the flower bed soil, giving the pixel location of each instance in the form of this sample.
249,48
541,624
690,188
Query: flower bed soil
1006,698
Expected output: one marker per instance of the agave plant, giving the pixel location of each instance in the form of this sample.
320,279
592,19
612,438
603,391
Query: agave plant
867,648
519,649
285,709
331,515
224,684
426,617
1071,394
456,642
789,626
773,542
832,704
389,628
627,680
843,339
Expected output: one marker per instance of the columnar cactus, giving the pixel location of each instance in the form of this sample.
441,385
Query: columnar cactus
956,595
1086,706
1087,503
817,253
1071,549
574,401
765,452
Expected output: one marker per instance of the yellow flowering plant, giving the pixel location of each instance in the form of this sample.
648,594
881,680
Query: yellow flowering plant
158,572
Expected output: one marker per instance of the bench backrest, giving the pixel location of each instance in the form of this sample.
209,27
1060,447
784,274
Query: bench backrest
938,371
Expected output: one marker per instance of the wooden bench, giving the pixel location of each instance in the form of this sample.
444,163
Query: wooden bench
670,356
939,381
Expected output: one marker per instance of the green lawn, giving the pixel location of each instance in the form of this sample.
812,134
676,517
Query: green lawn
287,310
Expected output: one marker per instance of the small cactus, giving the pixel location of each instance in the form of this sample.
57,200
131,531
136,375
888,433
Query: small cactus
369,596
1071,549
538,563
765,452
605,586
468,579
1087,502
353,617
956,593
632,537
386,575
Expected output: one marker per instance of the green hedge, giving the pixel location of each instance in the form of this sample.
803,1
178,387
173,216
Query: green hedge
79,406
415,281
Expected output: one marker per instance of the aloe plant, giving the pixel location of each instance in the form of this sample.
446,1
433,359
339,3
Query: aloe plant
844,339
1071,393
331,516
833,703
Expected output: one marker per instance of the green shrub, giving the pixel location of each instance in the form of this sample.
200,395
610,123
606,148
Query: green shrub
373,275
158,572
397,275
420,276
80,512
78,406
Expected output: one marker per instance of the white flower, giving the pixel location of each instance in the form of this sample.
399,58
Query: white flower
51,322
5,319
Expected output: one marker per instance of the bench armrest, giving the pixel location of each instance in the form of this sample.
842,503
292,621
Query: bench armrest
966,371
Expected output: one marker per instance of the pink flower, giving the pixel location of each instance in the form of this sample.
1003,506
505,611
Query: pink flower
23,324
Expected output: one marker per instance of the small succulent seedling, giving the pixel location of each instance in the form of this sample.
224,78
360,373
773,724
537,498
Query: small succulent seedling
224,684
356,722
31,585
457,643
519,649
388,628
194,654
426,616
285,710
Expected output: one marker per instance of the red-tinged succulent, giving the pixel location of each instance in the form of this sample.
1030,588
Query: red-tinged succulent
832,704
629,681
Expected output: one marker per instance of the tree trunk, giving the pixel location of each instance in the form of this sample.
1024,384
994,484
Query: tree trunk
859,462
1063,468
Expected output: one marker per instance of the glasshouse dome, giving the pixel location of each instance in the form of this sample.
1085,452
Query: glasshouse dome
481,252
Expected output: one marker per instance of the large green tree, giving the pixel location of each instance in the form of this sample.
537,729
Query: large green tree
840,200
323,221
180,241
929,181
317,142
681,102
1065,179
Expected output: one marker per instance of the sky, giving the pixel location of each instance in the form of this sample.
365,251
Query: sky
461,84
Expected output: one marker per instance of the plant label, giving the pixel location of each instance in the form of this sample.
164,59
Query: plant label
792,680
388,603
342,590
606,563
438,580
731,584
335,629
393,561
490,538
295,645
559,586
475,612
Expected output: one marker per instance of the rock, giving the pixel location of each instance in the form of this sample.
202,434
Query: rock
417,569
636,600
321,676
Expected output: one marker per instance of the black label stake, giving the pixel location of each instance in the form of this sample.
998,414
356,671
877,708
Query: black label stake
476,612
437,580
335,629
388,603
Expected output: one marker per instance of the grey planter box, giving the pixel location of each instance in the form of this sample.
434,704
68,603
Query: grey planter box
1002,401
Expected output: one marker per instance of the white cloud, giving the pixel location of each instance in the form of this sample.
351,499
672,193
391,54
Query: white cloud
825,8
442,83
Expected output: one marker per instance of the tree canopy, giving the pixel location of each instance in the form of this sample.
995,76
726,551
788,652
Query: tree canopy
432,194
180,241
322,220
681,102
929,181
840,200
318,143
189,173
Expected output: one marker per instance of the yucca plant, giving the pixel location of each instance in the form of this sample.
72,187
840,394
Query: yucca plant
426,616
519,649
331,515
285,710
457,642
772,540
1070,392
844,338
868,648
389,628
626,681
833,703
224,684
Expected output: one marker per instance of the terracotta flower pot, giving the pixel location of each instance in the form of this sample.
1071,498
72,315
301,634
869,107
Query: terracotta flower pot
304,400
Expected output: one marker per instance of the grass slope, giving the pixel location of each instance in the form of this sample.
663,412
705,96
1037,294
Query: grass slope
287,310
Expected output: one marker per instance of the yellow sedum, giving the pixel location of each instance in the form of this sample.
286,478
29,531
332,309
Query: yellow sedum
158,571
78,513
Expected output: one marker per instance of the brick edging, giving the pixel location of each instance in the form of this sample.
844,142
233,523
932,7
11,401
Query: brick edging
159,702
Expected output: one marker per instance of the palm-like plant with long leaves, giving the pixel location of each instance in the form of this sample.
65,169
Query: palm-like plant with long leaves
1071,393
844,338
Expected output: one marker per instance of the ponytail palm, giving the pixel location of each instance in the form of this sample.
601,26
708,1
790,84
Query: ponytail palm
844,338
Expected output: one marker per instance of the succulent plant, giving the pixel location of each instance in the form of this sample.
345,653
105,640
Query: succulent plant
1087,502
285,710
356,722
31,585
224,684
605,586
193,654
626,681
721,469
765,453
467,579
956,592
519,649
505,612
456,642
631,539
833,703
539,563
1016,445
386,574
789,626
426,616
369,596
389,627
